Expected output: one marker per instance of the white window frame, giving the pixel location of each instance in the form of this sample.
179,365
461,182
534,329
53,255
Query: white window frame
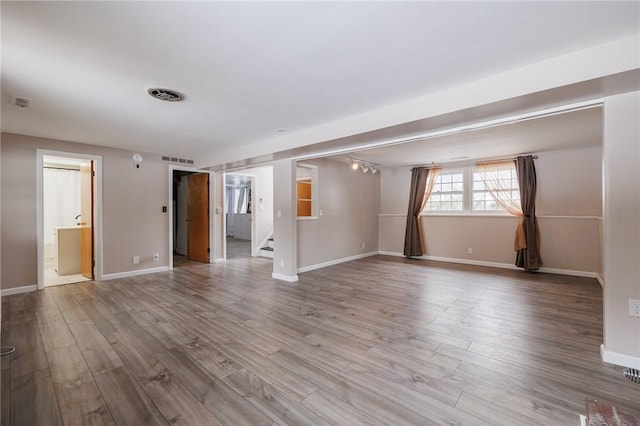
473,191
467,198
435,192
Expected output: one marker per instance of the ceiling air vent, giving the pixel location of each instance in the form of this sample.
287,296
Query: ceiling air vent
177,160
165,94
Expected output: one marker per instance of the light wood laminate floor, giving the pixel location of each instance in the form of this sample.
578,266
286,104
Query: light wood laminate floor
379,340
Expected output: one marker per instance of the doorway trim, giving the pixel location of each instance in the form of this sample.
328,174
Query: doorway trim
173,167
97,188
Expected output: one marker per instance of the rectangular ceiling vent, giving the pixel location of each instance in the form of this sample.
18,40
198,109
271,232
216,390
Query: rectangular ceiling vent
177,160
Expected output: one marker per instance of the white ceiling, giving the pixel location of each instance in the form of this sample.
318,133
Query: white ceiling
249,68
569,130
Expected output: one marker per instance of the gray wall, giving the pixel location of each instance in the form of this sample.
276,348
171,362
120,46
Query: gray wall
133,222
569,209
349,201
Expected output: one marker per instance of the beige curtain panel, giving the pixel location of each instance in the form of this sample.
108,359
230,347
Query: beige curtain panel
500,192
422,181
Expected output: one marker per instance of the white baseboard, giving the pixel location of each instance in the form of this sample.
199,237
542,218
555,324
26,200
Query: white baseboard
390,253
219,260
569,272
585,274
619,359
600,280
18,290
336,261
107,277
288,278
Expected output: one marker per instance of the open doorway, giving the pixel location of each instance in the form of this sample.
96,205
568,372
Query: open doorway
66,218
191,219
238,215
248,213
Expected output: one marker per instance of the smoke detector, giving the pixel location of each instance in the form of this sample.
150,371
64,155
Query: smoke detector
165,94
20,101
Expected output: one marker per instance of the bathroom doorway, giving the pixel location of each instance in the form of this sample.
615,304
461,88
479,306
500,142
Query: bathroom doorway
66,218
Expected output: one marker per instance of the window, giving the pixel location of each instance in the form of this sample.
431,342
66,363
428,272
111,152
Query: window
307,191
448,192
473,190
238,199
487,185
242,200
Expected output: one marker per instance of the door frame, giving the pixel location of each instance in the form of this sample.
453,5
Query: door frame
173,167
254,250
97,208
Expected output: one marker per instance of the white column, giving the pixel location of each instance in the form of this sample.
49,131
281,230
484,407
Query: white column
621,149
285,224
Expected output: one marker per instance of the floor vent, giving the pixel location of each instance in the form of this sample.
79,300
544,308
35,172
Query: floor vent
632,374
177,160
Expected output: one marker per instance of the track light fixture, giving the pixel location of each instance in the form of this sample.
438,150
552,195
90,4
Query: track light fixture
364,166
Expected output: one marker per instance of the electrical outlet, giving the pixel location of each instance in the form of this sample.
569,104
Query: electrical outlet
469,250
634,307
362,245
135,260
282,263
156,257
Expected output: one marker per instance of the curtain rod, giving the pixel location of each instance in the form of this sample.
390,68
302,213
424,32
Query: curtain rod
480,160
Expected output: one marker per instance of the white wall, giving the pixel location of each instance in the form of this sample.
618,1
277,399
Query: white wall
349,201
621,228
241,226
568,206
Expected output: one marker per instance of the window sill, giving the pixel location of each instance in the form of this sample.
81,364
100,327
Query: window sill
308,217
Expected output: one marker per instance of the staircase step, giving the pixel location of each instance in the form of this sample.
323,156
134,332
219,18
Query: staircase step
266,252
